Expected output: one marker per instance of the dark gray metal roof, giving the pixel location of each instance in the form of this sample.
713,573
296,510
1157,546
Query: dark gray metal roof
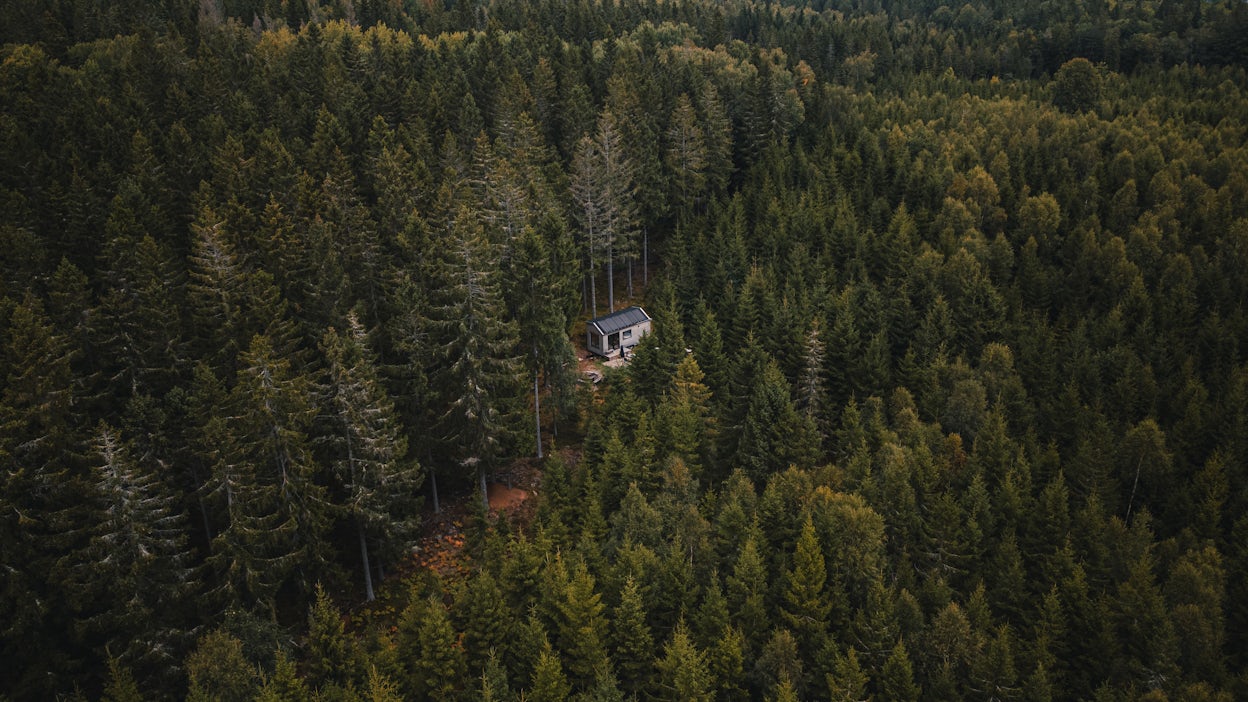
620,319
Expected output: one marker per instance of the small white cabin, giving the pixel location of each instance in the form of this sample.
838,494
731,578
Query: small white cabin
613,334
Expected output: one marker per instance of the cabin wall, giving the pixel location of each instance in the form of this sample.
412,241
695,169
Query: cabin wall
637,331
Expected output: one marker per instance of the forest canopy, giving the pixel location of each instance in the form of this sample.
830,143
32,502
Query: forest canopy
946,396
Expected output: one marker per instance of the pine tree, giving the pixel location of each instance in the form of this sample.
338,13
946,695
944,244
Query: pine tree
218,670
284,685
806,606
847,682
683,673
381,688
582,627
726,663
435,660
686,419
633,646
37,492
896,682
540,315
328,654
774,435
277,511
603,190
370,447
484,619
747,592
549,683
494,685
121,685
229,303
137,566
686,155
717,132
475,374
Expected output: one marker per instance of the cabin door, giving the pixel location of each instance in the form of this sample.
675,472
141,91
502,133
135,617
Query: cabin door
613,341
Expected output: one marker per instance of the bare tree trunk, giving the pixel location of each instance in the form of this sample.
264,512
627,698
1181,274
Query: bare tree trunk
368,574
485,496
610,279
645,256
1135,484
537,414
630,275
433,487
593,292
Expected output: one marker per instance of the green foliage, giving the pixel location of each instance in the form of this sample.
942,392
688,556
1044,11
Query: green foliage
683,673
264,266
218,670
1077,86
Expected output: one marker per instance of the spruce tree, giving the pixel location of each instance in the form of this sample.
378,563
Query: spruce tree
806,606
686,155
475,374
604,190
435,661
369,446
276,509
582,627
683,673
549,683
328,648
137,567
633,645
37,492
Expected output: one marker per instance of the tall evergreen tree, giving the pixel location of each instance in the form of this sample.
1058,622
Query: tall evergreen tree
476,374
277,510
603,190
370,447
137,568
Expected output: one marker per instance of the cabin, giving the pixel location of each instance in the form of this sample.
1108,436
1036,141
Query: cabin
613,334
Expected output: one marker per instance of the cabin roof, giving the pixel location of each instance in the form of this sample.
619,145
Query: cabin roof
620,319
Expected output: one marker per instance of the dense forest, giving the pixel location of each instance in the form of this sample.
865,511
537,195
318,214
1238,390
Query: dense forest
946,398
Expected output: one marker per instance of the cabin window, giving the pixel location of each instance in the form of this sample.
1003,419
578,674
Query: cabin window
613,341
628,333
595,339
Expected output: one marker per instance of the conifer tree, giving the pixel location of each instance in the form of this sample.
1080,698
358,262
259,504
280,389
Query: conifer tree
435,663
475,374
328,654
484,620
370,447
218,670
686,417
726,663
896,682
277,511
540,315
686,155
137,566
603,191
774,435
121,686
747,592
683,674
284,684
806,606
494,685
37,450
549,683
847,682
582,627
633,646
